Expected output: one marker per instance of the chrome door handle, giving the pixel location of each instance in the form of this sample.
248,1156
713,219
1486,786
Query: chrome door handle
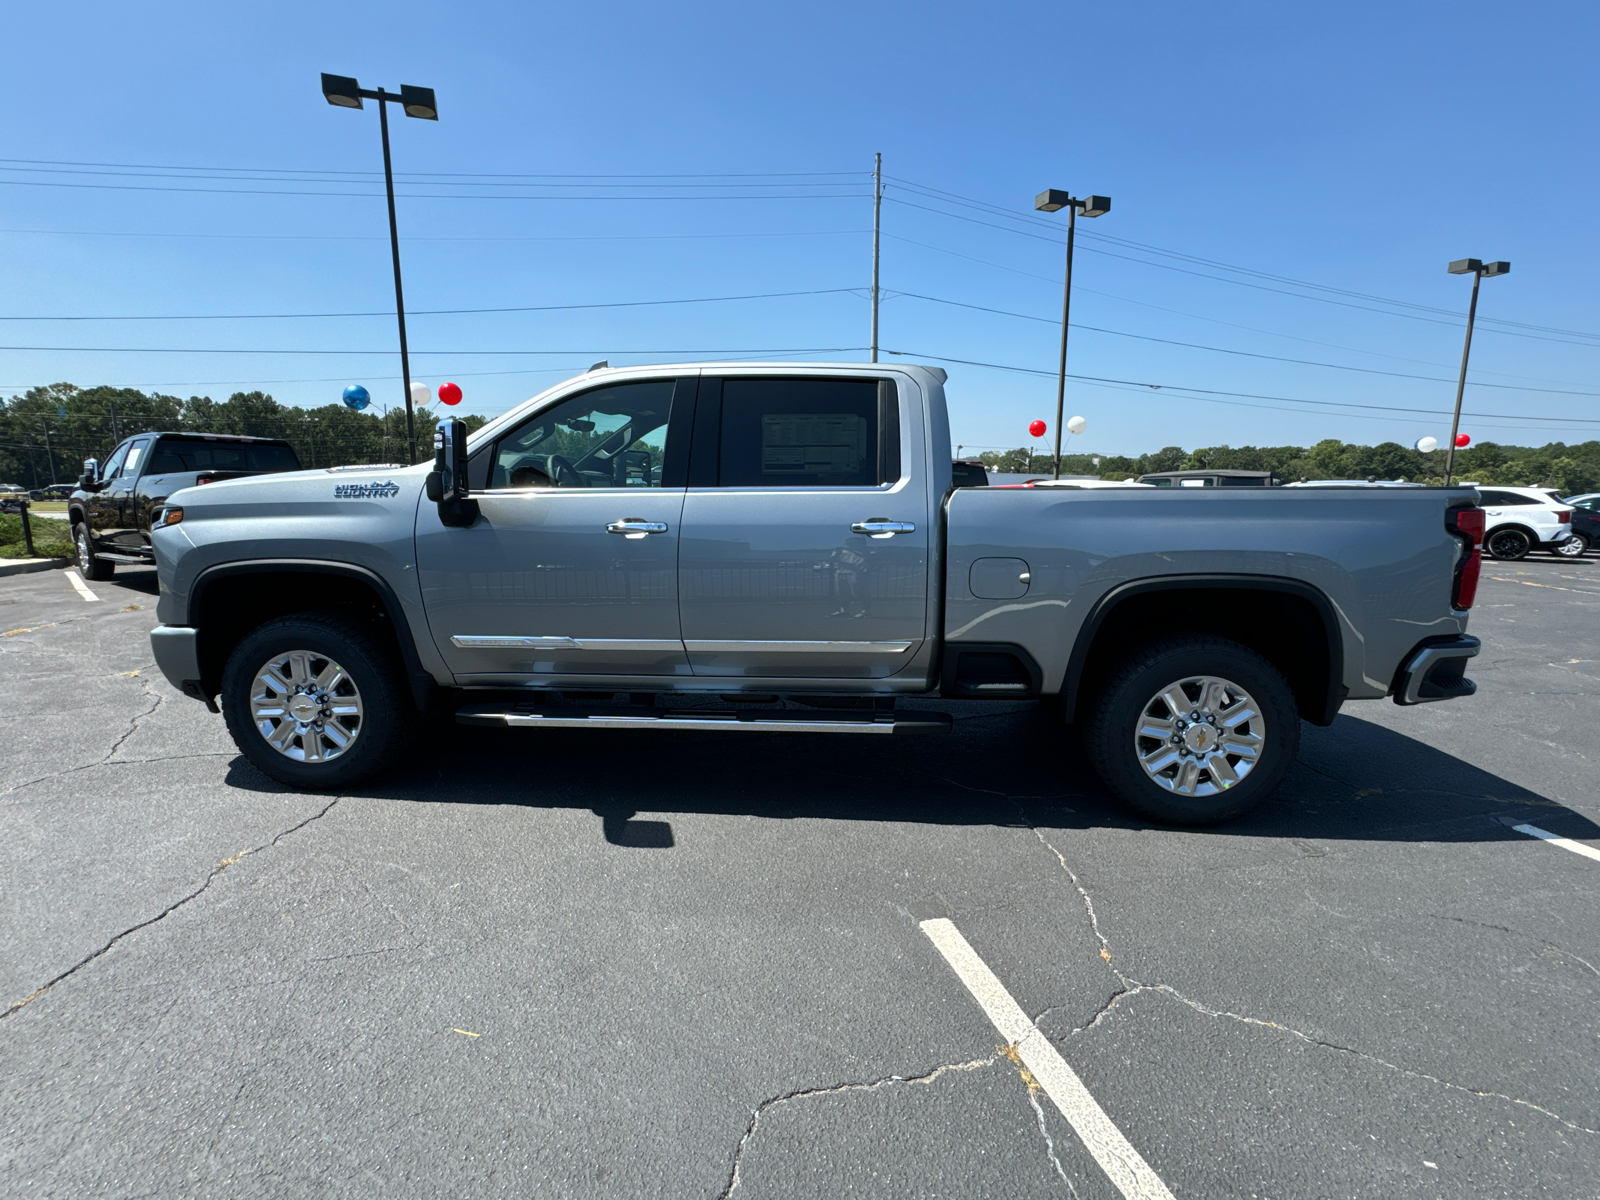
881,527
634,528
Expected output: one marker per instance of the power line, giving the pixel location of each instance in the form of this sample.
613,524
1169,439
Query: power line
1144,385
1100,236
1415,316
46,162
335,237
127,187
1200,317
445,312
1305,362
390,351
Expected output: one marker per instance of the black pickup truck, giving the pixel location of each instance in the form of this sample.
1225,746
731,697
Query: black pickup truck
111,509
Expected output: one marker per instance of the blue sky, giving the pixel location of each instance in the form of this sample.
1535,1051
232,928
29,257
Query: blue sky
1356,147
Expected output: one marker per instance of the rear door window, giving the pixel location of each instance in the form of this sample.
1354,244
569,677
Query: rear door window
797,433
173,456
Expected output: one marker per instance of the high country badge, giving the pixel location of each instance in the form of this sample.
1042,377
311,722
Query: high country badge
366,491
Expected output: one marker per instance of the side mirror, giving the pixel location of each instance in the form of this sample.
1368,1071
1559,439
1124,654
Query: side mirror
447,482
91,472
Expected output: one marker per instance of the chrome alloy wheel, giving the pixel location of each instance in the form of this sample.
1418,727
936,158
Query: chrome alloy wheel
85,558
1573,547
306,706
1200,736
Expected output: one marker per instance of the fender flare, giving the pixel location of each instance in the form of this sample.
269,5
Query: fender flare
423,684
1336,689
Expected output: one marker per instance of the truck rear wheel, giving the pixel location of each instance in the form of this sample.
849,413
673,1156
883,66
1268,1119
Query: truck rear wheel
315,700
1194,730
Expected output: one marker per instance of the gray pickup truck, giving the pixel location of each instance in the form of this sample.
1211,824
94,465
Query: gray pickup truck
781,548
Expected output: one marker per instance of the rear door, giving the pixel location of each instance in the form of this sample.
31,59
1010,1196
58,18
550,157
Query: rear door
571,568
805,548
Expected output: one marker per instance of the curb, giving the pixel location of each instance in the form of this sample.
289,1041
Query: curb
26,566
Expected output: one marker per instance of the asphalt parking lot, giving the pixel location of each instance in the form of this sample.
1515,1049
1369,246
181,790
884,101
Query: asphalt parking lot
574,963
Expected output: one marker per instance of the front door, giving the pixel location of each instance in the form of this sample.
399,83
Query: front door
126,537
100,507
805,545
571,567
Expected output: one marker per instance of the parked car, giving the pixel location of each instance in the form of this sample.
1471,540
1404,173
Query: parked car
1520,519
1190,479
12,489
1356,483
666,536
1084,483
1585,525
58,491
112,509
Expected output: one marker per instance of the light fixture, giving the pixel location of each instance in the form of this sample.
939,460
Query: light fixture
418,102
341,91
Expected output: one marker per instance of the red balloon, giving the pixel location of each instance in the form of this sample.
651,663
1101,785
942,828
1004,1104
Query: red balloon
1036,428
1462,440
450,393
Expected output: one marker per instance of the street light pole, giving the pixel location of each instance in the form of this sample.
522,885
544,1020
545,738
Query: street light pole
1054,200
1477,269
399,292
344,92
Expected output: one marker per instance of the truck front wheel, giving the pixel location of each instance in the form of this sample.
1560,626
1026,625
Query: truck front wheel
315,700
92,566
1194,730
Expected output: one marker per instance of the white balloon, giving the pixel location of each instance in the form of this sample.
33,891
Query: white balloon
419,392
1076,424
1427,444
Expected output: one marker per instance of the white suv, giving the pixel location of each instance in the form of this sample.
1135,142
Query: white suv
1518,519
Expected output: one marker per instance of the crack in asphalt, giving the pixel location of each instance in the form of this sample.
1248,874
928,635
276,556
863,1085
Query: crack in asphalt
1049,1142
217,870
133,725
1133,987
834,1090
1562,950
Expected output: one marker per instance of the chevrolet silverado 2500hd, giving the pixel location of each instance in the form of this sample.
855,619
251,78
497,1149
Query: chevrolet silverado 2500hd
667,541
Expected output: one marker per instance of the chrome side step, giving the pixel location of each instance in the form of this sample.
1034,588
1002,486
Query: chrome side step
713,722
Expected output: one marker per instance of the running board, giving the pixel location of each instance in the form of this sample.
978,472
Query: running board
713,722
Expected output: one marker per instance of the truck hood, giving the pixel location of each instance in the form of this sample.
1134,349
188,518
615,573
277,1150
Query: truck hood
305,492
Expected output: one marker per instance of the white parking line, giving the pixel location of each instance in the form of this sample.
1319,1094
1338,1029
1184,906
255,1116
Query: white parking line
77,582
1534,831
1114,1153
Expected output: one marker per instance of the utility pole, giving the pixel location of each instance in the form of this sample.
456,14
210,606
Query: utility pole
877,213
50,453
116,436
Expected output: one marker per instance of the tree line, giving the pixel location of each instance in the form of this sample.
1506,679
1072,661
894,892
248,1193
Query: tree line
1569,468
46,433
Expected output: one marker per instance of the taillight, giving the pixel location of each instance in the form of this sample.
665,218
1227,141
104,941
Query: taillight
1467,523
1563,516
199,479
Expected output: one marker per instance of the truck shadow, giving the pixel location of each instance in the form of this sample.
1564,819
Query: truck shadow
1354,781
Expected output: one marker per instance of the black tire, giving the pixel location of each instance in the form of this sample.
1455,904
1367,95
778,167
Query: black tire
370,666
1136,690
1508,545
91,564
1577,547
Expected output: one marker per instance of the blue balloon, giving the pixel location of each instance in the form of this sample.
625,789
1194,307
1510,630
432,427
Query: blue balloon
356,397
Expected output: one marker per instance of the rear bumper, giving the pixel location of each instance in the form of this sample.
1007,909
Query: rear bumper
177,655
1434,670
